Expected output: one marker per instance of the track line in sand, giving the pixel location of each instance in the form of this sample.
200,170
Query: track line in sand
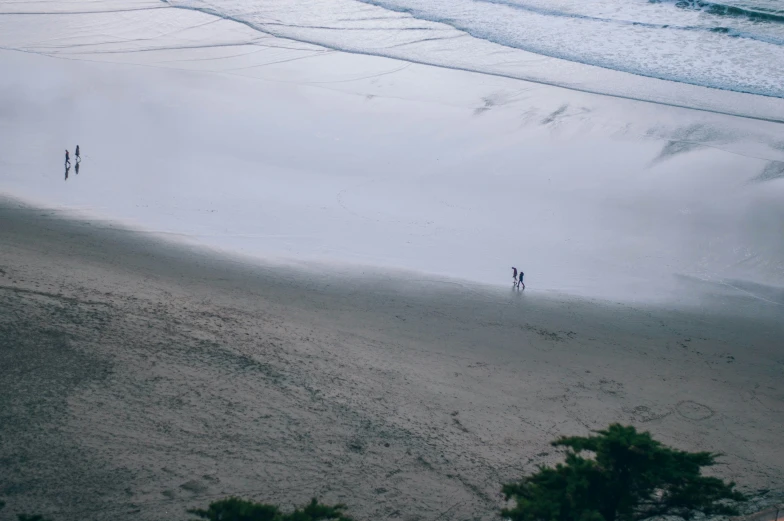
752,294
105,11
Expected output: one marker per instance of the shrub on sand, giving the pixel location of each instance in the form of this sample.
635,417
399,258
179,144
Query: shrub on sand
620,475
25,517
236,509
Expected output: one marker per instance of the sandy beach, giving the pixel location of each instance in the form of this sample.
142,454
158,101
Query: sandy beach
142,377
282,268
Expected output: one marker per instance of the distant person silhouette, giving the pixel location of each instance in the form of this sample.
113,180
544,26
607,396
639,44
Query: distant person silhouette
67,157
521,280
514,277
76,154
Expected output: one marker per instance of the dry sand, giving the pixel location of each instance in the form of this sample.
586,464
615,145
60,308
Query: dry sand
139,378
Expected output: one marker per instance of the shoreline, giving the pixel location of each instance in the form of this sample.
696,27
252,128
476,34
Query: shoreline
693,295
288,151
177,376
637,86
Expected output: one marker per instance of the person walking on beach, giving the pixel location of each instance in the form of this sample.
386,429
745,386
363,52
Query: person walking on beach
520,284
67,157
514,277
76,154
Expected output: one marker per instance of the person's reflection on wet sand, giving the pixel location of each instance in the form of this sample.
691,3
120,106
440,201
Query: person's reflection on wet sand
67,169
76,167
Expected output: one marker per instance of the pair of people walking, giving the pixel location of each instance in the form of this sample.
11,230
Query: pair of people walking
76,154
517,282
68,161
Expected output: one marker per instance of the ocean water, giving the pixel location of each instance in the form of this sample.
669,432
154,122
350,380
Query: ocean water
735,45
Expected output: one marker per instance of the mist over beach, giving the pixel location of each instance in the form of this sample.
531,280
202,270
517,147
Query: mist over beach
280,264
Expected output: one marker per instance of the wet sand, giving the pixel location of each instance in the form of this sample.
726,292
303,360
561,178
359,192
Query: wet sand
139,378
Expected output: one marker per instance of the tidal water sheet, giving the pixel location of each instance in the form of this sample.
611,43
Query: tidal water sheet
238,124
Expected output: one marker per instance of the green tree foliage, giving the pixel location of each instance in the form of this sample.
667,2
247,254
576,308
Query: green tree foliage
25,517
236,509
620,475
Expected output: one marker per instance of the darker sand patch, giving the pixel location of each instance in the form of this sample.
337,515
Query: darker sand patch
148,376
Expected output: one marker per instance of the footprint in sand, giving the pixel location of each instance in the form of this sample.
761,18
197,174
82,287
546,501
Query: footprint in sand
694,411
644,413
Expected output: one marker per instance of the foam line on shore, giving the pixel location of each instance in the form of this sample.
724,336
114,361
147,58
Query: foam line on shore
518,76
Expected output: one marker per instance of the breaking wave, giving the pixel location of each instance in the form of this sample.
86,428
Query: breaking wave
765,13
